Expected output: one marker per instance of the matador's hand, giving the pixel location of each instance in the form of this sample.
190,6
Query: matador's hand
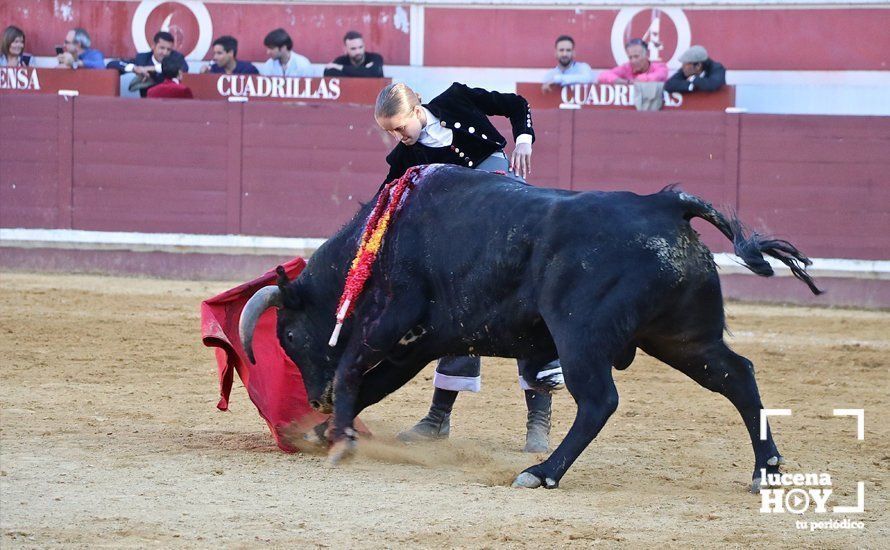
521,160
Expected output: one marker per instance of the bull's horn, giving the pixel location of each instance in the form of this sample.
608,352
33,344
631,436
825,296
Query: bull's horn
266,297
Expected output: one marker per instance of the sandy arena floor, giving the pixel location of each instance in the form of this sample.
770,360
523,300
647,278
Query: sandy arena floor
110,437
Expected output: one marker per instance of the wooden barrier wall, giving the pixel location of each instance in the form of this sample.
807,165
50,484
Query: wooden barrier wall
300,171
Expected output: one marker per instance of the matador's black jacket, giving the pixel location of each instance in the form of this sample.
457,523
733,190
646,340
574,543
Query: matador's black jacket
465,112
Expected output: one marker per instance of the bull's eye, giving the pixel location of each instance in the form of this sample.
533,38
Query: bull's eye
290,336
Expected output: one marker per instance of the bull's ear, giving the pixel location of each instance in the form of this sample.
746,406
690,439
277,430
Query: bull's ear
283,281
291,295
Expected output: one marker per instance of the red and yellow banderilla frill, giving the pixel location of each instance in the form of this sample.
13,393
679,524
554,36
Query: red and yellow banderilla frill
389,202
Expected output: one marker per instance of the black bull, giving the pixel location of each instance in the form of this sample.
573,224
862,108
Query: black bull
476,263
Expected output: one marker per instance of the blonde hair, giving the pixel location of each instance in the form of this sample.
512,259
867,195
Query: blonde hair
394,100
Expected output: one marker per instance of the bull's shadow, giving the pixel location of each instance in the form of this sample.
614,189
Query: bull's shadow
477,263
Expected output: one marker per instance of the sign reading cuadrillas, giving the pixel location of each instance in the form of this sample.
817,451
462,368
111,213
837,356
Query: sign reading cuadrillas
609,94
278,87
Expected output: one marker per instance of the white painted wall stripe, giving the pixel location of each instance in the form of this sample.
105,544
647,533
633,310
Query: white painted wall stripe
417,28
841,268
255,245
156,242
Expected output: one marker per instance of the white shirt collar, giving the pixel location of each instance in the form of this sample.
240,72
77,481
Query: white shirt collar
434,134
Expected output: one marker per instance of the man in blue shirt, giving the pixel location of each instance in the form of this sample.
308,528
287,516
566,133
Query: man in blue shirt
225,53
283,60
77,52
567,70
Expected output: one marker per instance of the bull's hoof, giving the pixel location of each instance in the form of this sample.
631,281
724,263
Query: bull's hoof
776,461
318,434
340,451
773,467
526,480
756,485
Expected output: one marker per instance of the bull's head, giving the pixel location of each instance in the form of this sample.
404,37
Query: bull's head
301,333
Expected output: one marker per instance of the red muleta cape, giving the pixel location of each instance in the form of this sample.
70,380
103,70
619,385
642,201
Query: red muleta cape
274,383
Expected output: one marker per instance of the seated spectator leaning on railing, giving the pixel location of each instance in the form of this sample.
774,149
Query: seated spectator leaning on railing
567,70
355,62
171,71
12,48
699,72
77,52
283,61
637,69
225,58
147,65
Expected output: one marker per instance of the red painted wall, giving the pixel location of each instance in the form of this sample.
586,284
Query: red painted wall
803,38
792,39
822,181
300,171
317,30
30,160
305,169
151,166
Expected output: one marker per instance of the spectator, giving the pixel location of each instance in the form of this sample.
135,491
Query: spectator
637,69
699,72
225,58
147,65
171,71
283,61
12,48
77,52
567,70
356,62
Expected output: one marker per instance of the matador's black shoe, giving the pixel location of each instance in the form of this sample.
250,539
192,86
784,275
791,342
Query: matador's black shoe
434,426
537,437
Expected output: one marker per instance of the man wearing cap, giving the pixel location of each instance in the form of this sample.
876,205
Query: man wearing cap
699,72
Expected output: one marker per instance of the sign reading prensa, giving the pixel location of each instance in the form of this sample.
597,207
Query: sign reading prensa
18,80
14,78
278,88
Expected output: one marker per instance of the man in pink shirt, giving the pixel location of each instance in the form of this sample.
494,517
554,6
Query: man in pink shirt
637,69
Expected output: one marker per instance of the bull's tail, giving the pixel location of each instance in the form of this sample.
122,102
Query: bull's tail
750,248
